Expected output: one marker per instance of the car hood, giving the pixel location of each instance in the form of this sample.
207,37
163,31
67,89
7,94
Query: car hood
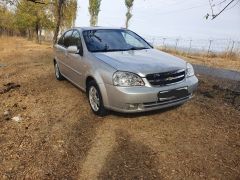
142,62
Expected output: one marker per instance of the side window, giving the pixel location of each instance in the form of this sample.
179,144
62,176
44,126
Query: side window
131,40
67,38
76,39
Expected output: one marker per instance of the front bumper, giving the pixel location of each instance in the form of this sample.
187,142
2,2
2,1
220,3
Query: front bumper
140,99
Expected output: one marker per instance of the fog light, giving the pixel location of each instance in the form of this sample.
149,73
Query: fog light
135,106
140,106
132,106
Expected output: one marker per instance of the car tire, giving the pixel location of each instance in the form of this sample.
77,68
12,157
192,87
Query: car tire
58,74
95,99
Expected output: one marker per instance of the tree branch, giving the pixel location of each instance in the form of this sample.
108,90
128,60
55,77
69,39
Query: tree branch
36,1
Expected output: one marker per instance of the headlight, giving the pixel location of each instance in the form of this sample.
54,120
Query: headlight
127,79
189,70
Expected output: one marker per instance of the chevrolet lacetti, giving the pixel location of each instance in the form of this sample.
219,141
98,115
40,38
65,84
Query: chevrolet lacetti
121,71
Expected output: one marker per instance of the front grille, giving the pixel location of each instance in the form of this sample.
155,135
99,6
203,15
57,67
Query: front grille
166,78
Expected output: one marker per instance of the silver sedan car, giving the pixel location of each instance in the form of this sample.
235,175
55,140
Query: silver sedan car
121,71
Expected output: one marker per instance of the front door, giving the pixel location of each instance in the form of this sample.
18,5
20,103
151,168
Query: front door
76,60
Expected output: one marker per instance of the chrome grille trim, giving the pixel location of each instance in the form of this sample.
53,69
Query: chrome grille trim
166,78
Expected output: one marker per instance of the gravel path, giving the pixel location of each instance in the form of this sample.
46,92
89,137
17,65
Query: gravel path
216,72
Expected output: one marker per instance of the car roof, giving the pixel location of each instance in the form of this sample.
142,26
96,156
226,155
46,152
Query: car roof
96,28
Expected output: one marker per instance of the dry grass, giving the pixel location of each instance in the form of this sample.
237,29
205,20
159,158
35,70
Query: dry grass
224,60
12,48
60,138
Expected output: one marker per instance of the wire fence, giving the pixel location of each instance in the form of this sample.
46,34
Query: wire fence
190,46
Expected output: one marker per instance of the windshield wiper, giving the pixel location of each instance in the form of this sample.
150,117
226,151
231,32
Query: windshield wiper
109,50
112,50
137,48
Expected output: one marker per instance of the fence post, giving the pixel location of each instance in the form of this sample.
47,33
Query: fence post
209,47
164,43
238,48
232,47
153,41
190,46
176,44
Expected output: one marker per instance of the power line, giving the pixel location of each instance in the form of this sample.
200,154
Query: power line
178,2
233,5
220,3
214,16
181,10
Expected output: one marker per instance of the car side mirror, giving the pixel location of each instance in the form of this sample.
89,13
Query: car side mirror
72,49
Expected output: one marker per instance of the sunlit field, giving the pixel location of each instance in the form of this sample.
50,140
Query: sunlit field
49,132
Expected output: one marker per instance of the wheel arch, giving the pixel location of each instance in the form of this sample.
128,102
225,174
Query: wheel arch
98,79
89,79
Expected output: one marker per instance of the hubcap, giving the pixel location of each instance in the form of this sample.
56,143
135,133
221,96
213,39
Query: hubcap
56,70
94,98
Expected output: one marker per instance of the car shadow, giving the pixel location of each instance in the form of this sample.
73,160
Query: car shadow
130,159
148,113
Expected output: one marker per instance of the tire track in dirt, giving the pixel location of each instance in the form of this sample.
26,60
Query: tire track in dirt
102,145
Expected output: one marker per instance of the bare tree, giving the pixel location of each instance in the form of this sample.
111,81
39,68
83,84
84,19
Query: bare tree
94,9
129,5
59,19
38,14
213,4
15,2
37,2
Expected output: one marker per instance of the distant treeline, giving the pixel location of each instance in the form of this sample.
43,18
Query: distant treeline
30,18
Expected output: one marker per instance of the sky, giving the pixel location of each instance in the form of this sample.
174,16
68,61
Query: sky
167,18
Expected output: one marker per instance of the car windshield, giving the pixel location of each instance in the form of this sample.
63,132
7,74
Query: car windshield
105,40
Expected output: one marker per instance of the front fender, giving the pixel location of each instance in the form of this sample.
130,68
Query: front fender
102,73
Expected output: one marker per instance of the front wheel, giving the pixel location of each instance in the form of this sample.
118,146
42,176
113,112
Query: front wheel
95,99
58,74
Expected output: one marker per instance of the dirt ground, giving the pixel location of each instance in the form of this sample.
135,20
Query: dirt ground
54,134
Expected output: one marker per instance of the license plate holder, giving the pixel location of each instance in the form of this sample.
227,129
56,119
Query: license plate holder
173,94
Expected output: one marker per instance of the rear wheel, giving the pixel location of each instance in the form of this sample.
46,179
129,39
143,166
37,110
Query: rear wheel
95,99
57,72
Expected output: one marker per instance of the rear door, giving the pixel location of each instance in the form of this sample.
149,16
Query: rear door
65,62
60,54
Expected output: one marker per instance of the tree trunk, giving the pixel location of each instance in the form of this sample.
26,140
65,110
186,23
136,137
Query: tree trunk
93,20
40,35
59,20
128,17
36,31
29,33
126,23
